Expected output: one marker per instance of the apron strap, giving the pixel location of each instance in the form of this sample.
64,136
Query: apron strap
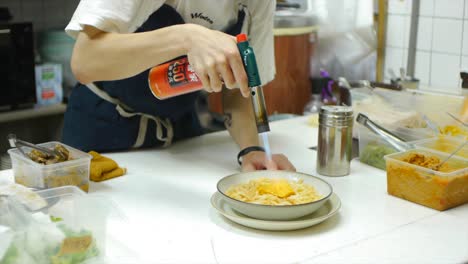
105,96
160,123
127,112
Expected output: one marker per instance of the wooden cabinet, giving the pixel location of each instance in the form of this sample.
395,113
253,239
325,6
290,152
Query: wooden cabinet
290,91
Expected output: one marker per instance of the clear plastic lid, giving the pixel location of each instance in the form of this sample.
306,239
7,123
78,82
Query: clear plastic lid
458,165
77,155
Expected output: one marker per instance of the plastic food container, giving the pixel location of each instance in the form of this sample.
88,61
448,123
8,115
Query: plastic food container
433,105
73,228
372,148
31,174
439,190
454,130
413,134
446,144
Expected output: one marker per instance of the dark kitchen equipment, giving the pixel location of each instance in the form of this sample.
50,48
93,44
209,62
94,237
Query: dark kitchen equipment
18,87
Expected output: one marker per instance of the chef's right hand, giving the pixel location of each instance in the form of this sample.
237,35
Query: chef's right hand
215,58
257,160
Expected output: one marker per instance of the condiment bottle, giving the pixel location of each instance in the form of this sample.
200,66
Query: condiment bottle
335,140
177,77
173,78
313,106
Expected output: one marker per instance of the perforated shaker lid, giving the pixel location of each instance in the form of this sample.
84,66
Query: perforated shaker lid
336,110
337,116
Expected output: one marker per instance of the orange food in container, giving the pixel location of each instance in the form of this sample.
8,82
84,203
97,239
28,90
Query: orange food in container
411,176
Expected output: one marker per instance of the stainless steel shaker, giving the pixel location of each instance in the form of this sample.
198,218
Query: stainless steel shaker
335,140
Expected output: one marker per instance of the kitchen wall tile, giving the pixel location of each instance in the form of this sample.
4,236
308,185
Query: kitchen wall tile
423,67
43,13
71,7
426,8
464,64
447,35
404,61
399,7
466,9
424,41
465,38
396,30
442,40
33,12
406,32
448,8
15,9
393,61
445,72
54,13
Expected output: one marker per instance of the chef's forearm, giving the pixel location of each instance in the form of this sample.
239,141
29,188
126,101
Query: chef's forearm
103,56
240,120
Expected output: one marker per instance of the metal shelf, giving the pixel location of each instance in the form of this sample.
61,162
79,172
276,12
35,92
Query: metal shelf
37,111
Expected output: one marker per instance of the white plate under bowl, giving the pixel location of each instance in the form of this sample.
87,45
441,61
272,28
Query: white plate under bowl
329,209
275,212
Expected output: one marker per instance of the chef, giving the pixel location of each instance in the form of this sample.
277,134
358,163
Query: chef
118,41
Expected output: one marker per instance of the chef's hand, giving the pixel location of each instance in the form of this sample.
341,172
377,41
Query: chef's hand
215,58
257,160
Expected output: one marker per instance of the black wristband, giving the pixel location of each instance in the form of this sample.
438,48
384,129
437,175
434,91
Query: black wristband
247,150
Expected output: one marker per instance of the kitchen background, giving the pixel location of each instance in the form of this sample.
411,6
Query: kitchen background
44,14
442,43
356,39
41,123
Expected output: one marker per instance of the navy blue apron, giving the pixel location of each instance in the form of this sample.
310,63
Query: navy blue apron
93,122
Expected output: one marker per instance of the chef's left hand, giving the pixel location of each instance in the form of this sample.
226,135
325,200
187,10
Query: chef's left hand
257,160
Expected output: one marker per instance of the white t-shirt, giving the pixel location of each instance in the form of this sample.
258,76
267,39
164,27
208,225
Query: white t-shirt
125,16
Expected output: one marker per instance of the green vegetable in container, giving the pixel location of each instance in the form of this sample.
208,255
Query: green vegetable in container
373,154
10,256
55,219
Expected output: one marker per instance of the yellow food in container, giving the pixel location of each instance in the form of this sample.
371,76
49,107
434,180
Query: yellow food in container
454,130
446,144
410,176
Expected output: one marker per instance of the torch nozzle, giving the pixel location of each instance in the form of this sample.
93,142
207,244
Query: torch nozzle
261,115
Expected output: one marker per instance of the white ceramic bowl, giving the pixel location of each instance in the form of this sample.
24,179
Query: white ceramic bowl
275,212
